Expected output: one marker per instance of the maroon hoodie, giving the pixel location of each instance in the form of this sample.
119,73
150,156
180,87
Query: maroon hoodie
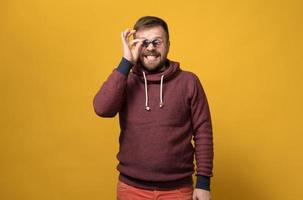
159,113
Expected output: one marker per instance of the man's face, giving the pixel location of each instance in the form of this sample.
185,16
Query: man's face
155,48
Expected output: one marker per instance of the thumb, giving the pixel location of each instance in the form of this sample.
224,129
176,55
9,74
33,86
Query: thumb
137,49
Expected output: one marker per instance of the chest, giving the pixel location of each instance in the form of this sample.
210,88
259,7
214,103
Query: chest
175,109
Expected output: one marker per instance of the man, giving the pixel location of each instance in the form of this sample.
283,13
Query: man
161,108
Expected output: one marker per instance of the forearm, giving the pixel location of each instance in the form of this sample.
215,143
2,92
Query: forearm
204,152
204,155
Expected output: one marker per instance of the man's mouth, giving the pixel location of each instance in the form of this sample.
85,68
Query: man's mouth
151,57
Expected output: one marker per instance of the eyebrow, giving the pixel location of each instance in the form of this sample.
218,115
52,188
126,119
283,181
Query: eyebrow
158,37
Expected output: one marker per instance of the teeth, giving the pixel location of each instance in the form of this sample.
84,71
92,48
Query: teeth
151,57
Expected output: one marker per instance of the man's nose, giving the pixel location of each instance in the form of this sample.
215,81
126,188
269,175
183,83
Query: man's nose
150,46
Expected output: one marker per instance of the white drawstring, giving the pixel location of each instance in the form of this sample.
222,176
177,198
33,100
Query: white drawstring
161,92
146,93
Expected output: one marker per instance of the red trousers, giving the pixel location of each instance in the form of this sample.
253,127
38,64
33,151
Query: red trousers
127,192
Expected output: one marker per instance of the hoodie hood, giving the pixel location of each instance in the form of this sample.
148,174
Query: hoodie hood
171,70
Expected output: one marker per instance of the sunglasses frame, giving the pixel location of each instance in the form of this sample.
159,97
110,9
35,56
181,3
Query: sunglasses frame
155,42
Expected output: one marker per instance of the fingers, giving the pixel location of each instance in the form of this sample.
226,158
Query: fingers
136,49
131,48
135,42
126,34
138,45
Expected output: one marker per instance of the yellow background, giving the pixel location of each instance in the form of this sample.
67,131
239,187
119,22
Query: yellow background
54,56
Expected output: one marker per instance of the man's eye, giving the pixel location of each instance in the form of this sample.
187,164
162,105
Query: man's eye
156,42
145,43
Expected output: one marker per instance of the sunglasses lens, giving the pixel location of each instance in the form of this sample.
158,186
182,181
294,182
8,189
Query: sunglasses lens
156,43
145,43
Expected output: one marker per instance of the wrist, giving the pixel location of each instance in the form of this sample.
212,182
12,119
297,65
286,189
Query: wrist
127,58
124,66
203,182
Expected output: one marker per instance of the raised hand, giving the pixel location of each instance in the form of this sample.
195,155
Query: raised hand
131,49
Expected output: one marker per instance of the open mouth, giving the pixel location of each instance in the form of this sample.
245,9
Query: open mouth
151,57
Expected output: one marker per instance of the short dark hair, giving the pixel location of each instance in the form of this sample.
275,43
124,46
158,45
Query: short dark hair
151,21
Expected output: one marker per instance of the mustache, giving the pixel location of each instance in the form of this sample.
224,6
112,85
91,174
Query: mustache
151,53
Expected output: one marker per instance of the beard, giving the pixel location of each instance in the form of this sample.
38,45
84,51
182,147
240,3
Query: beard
152,60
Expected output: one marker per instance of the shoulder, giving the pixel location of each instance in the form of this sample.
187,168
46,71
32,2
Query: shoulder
189,77
192,83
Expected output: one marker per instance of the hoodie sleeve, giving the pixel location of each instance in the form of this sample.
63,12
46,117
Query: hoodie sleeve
111,96
203,137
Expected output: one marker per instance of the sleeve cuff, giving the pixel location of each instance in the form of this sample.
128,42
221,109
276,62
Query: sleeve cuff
124,66
203,182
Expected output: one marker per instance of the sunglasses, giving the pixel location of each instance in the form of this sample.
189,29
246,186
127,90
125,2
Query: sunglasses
154,42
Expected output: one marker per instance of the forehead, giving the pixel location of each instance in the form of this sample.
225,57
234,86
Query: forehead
150,33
